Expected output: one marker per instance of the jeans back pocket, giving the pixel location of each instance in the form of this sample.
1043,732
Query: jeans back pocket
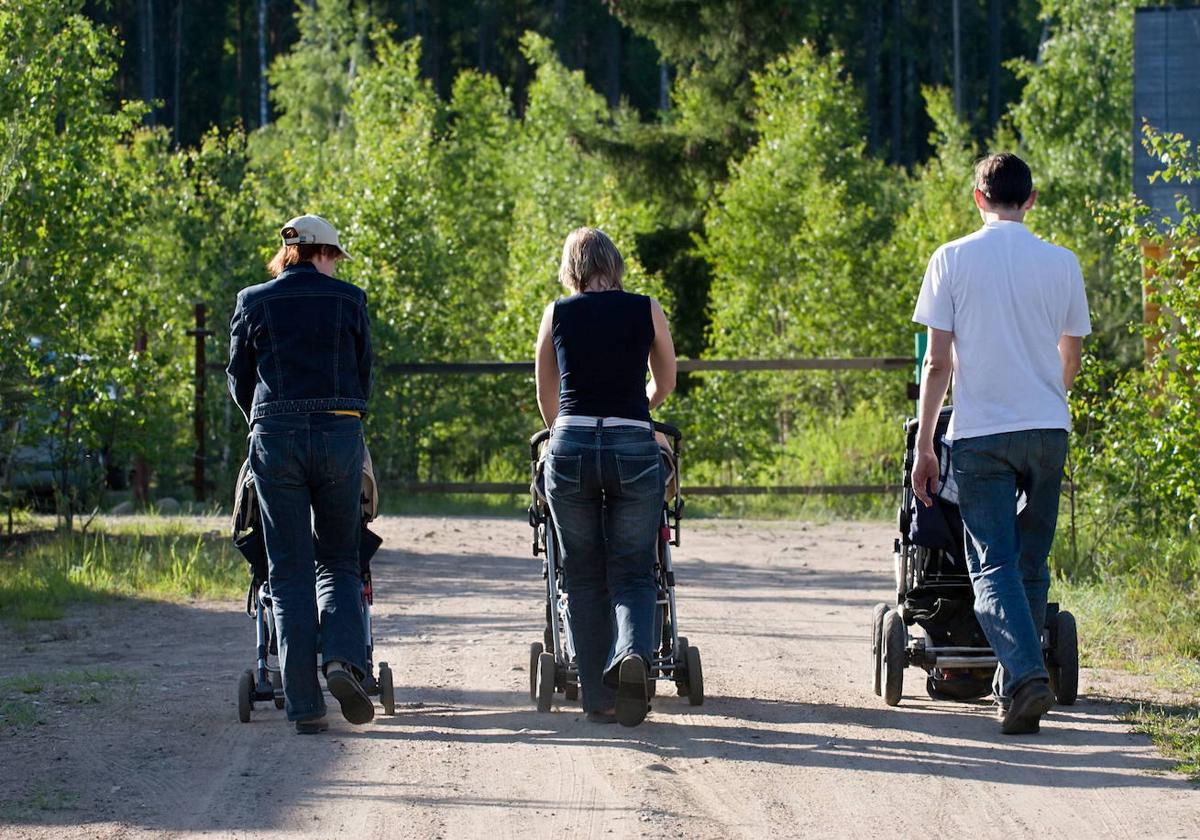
641,475
271,455
563,474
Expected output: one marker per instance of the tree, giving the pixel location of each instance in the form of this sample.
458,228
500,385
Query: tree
795,240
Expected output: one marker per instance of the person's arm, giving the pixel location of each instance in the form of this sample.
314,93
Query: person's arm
1070,350
662,358
935,380
366,354
240,372
545,365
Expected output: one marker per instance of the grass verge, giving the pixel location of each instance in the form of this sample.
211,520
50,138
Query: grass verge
1175,731
1137,603
166,558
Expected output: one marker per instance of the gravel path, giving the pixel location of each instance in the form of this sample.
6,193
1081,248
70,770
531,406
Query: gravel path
790,742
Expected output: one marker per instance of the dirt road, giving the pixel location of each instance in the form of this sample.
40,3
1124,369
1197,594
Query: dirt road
790,743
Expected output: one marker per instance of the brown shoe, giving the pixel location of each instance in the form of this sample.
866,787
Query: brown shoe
1029,703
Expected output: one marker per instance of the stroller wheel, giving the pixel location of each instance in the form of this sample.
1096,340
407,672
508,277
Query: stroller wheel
245,698
277,685
535,653
571,691
695,677
877,646
545,681
1064,671
681,688
894,639
387,692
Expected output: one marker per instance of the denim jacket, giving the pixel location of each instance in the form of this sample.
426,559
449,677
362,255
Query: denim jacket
298,344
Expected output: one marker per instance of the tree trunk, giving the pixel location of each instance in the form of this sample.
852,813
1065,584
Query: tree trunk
995,40
911,96
872,34
612,61
486,35
149,85
177,94
937,58
262,63
896,80
240,64
956,23
664,87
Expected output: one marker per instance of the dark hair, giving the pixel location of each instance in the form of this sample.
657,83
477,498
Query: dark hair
1004,179
289,255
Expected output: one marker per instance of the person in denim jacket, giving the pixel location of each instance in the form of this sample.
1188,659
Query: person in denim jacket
300,371
604,472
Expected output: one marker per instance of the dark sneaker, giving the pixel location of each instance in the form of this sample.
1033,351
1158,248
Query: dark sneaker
633,699
601,717
311,726
1029,703
355,702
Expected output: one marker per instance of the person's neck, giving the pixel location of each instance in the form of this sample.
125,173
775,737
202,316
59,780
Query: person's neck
1002,216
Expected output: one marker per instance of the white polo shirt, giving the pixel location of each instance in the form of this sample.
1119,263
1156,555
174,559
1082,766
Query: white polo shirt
1008,297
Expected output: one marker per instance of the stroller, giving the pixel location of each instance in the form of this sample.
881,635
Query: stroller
264,682
933,592
552,666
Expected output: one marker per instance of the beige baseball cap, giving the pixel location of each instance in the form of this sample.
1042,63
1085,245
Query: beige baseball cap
311,230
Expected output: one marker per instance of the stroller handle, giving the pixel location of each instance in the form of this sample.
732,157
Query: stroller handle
666,428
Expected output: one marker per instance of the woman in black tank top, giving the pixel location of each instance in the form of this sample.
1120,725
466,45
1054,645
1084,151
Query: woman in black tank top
604,472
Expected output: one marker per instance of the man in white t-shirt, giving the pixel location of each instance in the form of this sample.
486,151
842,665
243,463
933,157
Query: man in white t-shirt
1006,313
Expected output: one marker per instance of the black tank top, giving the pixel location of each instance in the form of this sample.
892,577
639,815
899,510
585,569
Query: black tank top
602,340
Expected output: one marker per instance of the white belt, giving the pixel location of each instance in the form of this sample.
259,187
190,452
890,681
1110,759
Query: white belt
588,422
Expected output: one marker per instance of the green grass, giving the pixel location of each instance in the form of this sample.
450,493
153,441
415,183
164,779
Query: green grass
1137,602
1175,731
26,698
154,557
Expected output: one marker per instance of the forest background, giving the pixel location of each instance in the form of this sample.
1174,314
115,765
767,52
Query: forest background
777,173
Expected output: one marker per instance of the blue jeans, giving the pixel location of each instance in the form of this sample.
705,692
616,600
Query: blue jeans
605,489
308,474
1007,550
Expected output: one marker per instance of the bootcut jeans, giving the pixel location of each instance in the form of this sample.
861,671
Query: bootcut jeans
605,489
1007,549
308,474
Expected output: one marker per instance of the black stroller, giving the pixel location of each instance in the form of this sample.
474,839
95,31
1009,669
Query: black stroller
264,682
933,592
552,666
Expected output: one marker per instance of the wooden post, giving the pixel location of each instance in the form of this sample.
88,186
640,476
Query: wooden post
1153,281
199,333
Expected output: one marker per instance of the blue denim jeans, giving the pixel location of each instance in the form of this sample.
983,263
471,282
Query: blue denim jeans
605,489
308,474
1007,550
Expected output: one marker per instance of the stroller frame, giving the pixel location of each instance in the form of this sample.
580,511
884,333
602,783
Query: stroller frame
552,666
928,586
265,682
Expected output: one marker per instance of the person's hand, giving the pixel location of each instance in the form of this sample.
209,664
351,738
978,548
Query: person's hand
925,475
